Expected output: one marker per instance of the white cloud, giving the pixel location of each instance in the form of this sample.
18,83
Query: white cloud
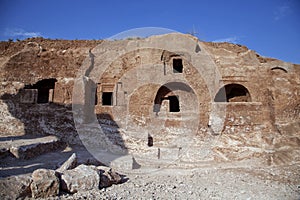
18,32
229,39
281,12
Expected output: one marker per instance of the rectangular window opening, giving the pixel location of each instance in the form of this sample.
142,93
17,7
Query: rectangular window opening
174,104
177,66
107,98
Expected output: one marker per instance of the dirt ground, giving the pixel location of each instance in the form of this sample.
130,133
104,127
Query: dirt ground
210,183
220,181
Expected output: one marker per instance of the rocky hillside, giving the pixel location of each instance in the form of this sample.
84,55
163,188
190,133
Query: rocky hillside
36,58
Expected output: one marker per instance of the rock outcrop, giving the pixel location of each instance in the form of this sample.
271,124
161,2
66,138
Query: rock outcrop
45,183
81,178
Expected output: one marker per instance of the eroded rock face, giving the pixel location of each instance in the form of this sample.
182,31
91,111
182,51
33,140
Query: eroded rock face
15,187
45,183
81,178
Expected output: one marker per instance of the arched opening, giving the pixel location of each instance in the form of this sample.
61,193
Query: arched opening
166,93
45,89
233,93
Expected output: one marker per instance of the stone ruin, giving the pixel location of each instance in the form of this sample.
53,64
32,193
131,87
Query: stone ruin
207,103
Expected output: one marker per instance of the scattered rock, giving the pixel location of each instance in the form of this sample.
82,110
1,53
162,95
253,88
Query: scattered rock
108,177
81,178
115,177
45,183
15,187
71,163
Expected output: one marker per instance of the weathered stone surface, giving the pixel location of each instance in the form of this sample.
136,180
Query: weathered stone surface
29,148
15,187
108,176
261,95
81,178
261,122
69,164
45,183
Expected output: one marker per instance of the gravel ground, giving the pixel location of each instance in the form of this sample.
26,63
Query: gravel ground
239,180
231,183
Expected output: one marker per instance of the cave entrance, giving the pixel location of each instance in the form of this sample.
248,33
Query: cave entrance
43,95
45,89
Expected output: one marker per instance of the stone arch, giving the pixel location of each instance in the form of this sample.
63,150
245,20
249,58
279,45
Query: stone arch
167,92
233,93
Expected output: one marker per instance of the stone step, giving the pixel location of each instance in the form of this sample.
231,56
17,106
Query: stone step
32,147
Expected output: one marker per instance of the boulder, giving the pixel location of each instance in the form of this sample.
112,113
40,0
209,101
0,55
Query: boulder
71,163
45,183
15,187
81,178
108,177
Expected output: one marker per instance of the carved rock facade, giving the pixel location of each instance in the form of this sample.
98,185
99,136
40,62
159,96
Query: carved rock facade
212,102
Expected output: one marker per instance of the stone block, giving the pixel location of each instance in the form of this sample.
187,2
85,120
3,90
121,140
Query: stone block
45,183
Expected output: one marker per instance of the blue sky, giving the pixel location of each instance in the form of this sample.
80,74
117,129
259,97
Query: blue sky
270,27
